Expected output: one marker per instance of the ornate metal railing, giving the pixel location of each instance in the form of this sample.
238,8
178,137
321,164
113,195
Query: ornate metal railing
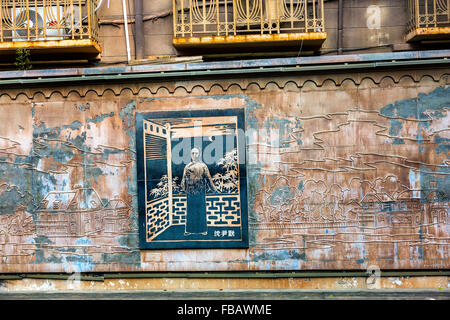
197,18
41,20
428,14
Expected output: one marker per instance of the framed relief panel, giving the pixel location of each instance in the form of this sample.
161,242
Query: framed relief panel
192,187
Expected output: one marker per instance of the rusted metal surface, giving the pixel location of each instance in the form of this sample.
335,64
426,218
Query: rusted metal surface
80,45
312,38
346,171
435,33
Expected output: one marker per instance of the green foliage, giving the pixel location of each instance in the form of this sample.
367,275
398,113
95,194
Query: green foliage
22,59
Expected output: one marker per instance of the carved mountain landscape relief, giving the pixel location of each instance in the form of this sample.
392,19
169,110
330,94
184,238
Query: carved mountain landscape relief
61,202
357,185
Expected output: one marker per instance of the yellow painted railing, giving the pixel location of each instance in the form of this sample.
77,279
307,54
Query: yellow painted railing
42,20
198,18
428,14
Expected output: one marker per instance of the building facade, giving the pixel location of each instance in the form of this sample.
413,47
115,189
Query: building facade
345,151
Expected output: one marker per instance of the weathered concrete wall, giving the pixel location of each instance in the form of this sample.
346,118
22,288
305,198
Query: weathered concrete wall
345,171
366,23
157,32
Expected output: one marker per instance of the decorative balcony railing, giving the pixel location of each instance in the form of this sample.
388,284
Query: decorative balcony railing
33,20
30,23
428,19
231,18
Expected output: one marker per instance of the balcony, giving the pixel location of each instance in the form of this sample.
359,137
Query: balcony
248,24
428,20
49,28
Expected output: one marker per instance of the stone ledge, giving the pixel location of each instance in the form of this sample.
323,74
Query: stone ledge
268,294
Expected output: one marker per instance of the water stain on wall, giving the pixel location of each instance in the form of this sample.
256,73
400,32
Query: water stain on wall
332,183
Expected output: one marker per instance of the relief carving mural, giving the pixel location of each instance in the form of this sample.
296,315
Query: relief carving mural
63,208
361,185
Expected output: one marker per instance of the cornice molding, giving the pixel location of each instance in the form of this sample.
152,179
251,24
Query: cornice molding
356,80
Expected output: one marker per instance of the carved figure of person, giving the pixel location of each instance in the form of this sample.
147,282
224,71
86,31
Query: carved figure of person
195,182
